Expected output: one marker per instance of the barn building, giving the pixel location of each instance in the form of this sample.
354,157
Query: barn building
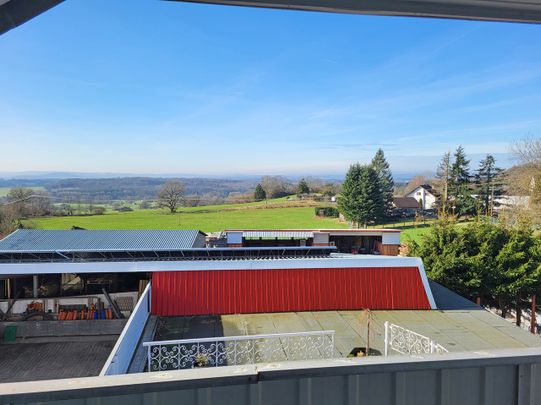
248,309
356,241
189,279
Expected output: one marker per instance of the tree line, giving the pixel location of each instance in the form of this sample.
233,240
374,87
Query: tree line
279,186
497,263
461,192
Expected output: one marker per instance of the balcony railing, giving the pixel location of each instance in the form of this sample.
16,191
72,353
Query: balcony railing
405,341
237,350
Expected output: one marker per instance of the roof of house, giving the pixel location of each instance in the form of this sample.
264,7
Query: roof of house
406,202
427,187
310,232
34,240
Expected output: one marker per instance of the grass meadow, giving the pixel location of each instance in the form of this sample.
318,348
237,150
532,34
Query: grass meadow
273,214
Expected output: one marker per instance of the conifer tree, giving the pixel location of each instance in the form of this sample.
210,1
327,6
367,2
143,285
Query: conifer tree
443,175
386,182
488,183
459,186
259,193
302,187
361,201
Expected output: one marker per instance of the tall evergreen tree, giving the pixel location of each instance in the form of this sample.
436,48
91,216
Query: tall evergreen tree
259,193
459,186
361,201
386,182
302,187
488,183
443,175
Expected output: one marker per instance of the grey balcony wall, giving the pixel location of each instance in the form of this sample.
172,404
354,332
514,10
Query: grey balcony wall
490,377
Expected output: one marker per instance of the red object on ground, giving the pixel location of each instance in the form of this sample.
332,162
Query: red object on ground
178,293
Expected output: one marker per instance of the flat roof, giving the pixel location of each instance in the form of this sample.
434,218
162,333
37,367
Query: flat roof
207,263
37,240
458,325
190,254
312,231
53,359
456,330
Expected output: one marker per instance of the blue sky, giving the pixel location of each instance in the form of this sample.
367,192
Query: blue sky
164,87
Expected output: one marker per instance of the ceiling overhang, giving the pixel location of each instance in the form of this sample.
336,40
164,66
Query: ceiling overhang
16,12
489,10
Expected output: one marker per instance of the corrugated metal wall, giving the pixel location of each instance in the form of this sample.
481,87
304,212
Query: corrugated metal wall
484,378
282,290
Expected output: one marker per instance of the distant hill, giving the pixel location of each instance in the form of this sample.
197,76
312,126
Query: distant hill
128,188
108,187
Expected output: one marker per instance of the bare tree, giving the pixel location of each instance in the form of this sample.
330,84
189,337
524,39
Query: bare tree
525,178
414,183
19,199
276,186
40,204
9,220
528,151
171,195
315,184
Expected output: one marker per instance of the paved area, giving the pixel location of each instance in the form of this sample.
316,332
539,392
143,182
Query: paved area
52,360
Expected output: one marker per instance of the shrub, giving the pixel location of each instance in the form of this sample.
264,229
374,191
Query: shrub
327,212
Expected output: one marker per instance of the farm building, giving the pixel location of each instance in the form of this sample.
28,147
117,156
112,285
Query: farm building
189,279
244,309
356,241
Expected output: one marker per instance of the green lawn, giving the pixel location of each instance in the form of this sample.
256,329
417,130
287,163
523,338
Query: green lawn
258,215
207,219
413,233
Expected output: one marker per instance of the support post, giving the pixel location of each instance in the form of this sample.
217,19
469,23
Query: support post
533,321
35,283
386,340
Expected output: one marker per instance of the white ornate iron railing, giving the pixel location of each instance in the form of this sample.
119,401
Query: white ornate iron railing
405,341
236,350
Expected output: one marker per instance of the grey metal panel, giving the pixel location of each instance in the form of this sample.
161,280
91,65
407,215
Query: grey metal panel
491,378
37,240
491,10
16,12
410,384
500,386
321,238
277,234
463,386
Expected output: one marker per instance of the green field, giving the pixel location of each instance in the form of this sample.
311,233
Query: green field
274,214
207,220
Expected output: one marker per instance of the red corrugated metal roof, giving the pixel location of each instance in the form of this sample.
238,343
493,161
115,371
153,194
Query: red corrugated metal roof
283,290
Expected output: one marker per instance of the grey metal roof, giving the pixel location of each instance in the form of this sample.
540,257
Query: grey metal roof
33,240
277,234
